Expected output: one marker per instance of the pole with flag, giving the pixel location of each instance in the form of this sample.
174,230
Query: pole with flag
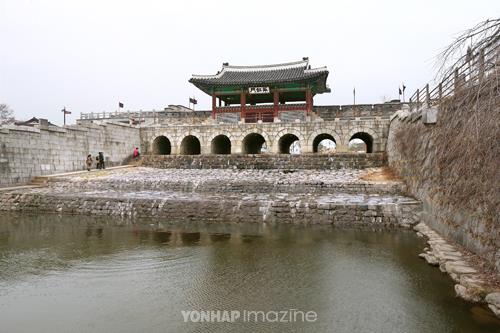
404,88
193,101
65,112
354,95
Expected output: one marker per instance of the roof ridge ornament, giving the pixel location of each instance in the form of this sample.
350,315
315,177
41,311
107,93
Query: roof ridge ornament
285,65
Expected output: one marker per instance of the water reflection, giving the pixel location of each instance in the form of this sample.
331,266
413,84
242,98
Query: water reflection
102,275
190,238
162,237
220,237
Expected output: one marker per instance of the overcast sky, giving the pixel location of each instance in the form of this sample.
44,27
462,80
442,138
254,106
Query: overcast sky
89,55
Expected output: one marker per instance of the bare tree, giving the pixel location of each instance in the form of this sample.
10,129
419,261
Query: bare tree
469,119
6,114
467,44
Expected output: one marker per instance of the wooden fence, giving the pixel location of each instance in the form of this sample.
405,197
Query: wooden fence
477,65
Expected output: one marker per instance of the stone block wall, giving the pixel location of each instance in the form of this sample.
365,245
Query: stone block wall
453,172
330,112
194,207
27,152
266,161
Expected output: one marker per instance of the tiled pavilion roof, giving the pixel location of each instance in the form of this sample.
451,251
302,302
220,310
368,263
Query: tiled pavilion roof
298,71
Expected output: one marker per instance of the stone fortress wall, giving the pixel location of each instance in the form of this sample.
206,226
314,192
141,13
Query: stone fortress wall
176,114
330,112
27,152
236,138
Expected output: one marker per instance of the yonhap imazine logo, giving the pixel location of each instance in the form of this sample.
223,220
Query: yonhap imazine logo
255,316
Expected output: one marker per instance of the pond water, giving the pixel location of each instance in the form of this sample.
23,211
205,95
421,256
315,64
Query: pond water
82,274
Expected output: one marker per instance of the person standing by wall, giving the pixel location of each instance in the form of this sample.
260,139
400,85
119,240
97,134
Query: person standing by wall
136,153
98,161
88,162
101,160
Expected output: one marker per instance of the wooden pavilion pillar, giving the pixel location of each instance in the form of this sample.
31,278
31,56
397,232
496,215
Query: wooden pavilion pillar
309,101
214,105
243,102
276,100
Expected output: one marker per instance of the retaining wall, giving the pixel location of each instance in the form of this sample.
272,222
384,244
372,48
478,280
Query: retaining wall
265,161
461,205
295,209
27,152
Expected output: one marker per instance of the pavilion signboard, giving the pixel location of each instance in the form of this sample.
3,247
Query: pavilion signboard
259,90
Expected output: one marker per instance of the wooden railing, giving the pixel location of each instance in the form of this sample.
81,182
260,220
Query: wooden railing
469,72
265,116
141,114
262,108
263,112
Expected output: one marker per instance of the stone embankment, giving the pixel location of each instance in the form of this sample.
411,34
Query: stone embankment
227,181
267,161
470,285
303,196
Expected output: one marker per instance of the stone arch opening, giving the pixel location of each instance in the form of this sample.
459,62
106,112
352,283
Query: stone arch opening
361,142
162,146
323,143
221,145
289,144
254,143
190,145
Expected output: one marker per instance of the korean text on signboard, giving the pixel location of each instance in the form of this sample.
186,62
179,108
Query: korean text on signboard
259,90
